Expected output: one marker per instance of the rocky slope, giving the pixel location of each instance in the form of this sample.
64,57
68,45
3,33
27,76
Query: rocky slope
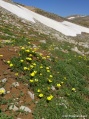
78,19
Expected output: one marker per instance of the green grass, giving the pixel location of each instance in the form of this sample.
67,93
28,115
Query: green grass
70,70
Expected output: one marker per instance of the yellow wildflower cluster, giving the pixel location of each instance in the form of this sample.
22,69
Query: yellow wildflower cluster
28,58
33,73
49,80
58,85
41,95
49,98
26,68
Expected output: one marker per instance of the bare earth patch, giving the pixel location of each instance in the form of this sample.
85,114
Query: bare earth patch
15,95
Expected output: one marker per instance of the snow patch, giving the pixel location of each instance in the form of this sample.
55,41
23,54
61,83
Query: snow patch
66,28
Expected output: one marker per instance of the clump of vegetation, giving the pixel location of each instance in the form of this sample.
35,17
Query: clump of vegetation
59,82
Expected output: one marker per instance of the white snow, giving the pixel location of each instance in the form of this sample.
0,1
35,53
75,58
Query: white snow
75,17
66,28
71,17
16,10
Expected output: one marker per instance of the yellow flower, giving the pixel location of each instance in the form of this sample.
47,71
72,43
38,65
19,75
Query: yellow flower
22,48
33,51
21,60
16,74
49,97
65,78
47,68
1,55
41,67
28,42
41,95
38,90
62,82
48,88
31,66
73,89
27,51
40,74
49,80
31,80
36,80
43,57
48,56
34,64
11,65
25,68
50,76
28,58
2,91
33,73
8,62
40,54
30,55
58,85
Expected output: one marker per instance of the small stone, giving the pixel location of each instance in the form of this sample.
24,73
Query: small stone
15,84
13,107
4,80
26,109
53,88
36,102
8,92
43,41
31,95
56,48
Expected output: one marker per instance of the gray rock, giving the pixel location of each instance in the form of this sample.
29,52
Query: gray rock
53,88
31,95
26,109
43,41
76,50
8,91
13,107
56,48
15,84
4,80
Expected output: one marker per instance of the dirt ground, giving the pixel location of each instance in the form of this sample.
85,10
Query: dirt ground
18,95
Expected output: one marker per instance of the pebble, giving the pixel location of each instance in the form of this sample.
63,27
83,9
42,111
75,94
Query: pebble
8,92
43,41
15,84
31,95
13,107
26,109
4,80
53,88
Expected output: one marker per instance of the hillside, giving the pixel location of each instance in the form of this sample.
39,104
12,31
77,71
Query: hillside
80,20
44,74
